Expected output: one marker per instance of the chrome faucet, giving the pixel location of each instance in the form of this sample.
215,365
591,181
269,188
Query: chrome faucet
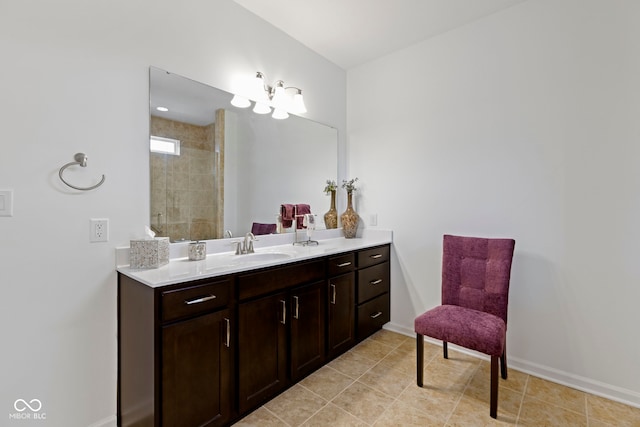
246,246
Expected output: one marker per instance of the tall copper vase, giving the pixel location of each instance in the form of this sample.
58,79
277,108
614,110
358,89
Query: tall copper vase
331,217
349,219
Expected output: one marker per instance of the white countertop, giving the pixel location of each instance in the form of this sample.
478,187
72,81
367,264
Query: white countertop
218,263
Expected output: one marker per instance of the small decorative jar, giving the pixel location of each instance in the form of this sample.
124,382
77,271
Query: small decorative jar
197,251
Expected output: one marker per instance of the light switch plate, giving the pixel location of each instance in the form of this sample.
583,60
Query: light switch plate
6,202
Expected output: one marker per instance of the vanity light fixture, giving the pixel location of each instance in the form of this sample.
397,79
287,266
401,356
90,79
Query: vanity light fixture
272,96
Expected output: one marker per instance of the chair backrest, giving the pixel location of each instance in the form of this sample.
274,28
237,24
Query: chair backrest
476,273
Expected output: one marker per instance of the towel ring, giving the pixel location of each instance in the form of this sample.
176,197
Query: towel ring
80,159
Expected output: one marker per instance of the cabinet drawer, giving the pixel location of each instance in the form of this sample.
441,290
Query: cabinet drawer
372,315
276,279
373,281
373,256
341,264
195,299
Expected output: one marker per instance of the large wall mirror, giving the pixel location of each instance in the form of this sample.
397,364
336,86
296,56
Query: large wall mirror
216,169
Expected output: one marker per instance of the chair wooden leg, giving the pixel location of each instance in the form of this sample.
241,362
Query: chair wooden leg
445,353
493,409
420,361
503,364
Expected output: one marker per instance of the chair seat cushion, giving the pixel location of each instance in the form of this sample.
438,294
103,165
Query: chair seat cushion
472,329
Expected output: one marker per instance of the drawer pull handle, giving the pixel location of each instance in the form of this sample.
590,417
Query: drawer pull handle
333,294
227,341
344,264
378,314
375,282
284,312
296,313
376,256
199,300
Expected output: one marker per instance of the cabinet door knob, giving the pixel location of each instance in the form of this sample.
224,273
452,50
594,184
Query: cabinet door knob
378,314
375,282
344,264
199,300
376,256
333,293
227,341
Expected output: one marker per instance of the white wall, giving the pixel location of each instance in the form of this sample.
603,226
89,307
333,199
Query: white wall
75,78
525,125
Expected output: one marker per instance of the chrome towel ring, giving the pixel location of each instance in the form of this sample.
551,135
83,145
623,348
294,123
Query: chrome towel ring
80,159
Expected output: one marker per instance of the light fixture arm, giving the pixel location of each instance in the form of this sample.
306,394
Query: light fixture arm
274,96
271,89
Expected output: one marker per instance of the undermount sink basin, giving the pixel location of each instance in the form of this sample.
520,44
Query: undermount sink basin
260,257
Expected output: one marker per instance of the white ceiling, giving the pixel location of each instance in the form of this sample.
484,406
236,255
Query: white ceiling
352,32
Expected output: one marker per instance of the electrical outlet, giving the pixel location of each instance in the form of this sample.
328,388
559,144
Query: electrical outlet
98,230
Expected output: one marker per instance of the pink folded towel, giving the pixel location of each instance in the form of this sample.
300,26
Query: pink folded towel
288,213
301,210
259,228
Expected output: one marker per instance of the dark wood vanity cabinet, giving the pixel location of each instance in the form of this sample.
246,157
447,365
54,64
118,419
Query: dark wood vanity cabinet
196,371
374,307
207,352
175,355
262,345
281,335
341,304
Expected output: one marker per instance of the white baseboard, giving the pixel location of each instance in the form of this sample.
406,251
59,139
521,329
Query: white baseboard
608,391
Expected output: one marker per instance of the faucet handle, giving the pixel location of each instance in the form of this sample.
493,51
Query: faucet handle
238,246
249,239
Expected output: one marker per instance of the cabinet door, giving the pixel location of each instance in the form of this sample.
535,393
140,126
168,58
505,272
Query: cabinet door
307,329
262,348
196,366
341,322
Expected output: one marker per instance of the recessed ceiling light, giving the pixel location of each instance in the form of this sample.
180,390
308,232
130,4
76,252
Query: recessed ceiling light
162,109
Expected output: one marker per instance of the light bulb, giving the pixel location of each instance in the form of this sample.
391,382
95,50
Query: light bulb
240,101
261,108
279,99
298,103
279,114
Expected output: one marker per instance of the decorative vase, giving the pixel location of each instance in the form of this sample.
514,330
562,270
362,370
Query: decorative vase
331,217
349,219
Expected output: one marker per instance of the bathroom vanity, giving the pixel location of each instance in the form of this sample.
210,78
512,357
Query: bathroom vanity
206,342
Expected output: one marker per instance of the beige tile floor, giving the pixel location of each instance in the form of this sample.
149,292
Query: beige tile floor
374,385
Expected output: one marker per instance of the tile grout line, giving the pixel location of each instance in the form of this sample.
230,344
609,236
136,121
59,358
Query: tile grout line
524,393
275,415
453,410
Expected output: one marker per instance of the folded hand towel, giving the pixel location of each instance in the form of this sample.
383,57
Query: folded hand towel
259,228
301,210
287,213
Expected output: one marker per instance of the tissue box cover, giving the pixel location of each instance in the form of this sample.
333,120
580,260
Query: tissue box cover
149,253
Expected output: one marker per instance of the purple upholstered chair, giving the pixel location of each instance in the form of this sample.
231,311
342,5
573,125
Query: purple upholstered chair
475,293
